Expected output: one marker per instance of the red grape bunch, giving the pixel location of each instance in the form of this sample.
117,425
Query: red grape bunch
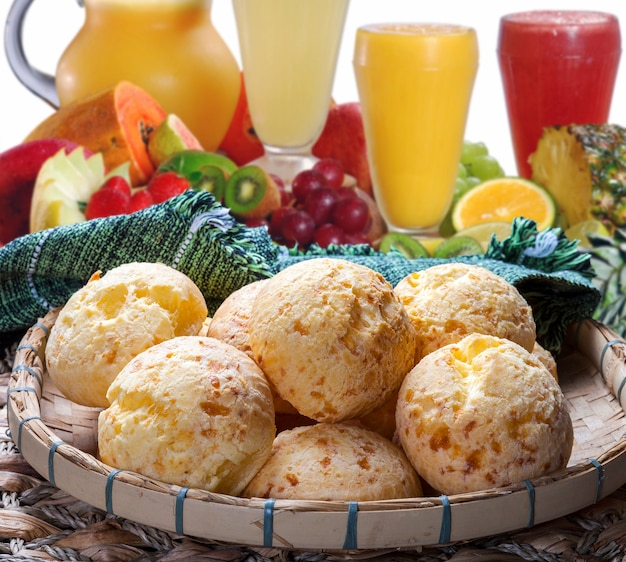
319,210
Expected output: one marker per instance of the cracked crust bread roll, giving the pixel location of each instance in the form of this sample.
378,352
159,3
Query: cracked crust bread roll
113,318
482,413
335,462
450,301
332,337
547,359
191,411
230,321
230,324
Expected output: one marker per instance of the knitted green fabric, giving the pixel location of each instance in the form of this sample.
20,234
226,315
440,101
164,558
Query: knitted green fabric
191,233
196,235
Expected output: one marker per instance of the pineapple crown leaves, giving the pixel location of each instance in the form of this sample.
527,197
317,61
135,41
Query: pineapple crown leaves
608,256
548,250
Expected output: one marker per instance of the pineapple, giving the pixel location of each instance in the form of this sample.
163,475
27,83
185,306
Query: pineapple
584,168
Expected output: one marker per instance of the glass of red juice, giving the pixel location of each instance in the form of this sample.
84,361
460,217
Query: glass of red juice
558,67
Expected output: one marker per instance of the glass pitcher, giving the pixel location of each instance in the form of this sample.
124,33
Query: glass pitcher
170,48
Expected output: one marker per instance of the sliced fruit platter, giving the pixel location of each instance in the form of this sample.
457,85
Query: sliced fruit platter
119,151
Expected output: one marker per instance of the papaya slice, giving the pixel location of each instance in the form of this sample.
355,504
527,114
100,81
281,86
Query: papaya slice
117,122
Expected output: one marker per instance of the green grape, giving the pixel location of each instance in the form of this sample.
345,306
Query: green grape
462,173
472,181
446,228
460,187
485,167
472,150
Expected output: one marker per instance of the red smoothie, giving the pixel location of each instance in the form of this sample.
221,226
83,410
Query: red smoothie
558,68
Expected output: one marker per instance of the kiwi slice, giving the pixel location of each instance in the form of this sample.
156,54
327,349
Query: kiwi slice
458,246
403,243
251,193
186,162
209,178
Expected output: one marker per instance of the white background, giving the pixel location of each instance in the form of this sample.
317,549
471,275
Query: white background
51,24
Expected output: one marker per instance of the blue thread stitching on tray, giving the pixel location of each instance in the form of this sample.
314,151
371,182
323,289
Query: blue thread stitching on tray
531,499
27,346
268,522
619,391
19,430
108,490
446,521
30,371
606,347
53,449
600,470
350,542
180,500
22,389
43,327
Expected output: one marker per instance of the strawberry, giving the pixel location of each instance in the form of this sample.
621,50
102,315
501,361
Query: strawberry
140,200
113,198
166,185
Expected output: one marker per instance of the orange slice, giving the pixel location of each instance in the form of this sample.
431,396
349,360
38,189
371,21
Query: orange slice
502,200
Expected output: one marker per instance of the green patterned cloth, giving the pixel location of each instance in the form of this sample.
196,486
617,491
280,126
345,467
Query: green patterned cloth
196,235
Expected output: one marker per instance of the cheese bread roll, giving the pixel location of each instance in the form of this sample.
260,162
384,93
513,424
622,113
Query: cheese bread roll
450,301
230,324
335,462
113,318
191,411
482,413
332,337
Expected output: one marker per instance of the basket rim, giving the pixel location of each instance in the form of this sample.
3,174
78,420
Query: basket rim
429,520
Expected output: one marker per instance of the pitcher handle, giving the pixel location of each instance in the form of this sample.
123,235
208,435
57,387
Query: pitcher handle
38,82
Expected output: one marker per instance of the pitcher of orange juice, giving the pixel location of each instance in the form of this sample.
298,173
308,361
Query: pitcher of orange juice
170,48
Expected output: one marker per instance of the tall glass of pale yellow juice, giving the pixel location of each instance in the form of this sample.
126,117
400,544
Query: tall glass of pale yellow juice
289,52
415,83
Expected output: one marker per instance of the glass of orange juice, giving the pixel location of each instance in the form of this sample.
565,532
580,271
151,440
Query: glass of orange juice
289,52
415,82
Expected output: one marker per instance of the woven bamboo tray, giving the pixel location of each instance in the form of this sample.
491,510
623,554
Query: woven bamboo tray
57,438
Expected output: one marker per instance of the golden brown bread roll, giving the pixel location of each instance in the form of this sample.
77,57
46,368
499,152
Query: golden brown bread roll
482,413
381,420
334,462
230,324
115,317
191,411
332,337
547,359
230,321
450,301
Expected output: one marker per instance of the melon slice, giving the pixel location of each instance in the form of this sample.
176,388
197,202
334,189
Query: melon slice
64,185
116,122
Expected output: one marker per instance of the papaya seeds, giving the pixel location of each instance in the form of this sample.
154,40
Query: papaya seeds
251,193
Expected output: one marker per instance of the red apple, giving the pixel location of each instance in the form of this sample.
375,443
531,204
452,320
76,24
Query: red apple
343,138
240,143
19,167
